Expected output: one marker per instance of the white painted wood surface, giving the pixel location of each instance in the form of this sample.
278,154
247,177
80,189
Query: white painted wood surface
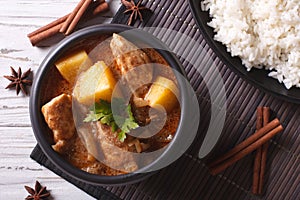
17,19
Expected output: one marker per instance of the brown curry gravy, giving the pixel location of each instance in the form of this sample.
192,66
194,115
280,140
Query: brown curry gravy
75,152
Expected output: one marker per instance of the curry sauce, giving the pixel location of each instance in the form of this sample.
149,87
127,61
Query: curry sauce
72,148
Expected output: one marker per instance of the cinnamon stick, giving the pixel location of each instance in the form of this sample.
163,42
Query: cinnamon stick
35,39
263,116
77,16
71,17
266,115
54,27
256,171
259,118
266,118
258,155
48,26
103,6
266,135
258,134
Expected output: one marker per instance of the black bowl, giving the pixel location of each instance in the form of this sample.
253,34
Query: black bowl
258,78
41,129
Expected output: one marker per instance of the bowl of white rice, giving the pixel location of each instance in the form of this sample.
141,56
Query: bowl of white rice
258,39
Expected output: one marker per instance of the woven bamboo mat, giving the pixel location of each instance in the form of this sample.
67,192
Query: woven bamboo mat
188,178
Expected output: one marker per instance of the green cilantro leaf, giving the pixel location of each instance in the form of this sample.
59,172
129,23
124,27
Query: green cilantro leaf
122,136
107,119
92,117
102,107
102,112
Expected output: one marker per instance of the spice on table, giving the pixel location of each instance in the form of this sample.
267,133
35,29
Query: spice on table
263,115
74,17
135,10
103,6
266,118
37,193
54,27
252,143
19,80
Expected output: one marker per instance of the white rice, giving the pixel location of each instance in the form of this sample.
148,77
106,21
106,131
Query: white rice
263,33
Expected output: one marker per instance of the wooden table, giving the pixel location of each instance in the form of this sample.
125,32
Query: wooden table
17,19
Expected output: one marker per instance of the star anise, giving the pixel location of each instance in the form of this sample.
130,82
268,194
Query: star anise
37,193
19,81
135,10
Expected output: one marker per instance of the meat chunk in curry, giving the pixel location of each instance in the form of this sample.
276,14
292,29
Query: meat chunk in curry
58,113
91,139
131,64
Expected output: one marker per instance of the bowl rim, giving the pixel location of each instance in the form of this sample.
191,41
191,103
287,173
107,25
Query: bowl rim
37,120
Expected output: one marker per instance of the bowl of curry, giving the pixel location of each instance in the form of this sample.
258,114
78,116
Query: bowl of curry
109,105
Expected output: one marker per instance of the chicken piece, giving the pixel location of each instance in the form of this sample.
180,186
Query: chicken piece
162,67
111,137
58,115
61,146
103,144
129,58
141,114
166,134
101,169
115,153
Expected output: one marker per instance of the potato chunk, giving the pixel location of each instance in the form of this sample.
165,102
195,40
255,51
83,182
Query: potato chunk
70,66
163,92
96,83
